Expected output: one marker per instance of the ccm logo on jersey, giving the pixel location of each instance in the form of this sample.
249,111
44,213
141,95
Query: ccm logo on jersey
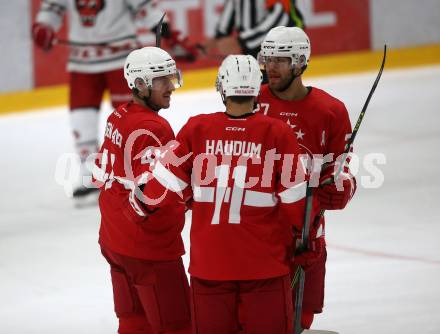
288,114
234,128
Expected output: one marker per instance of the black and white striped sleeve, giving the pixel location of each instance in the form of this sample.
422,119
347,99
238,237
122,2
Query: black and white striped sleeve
227,20
250,39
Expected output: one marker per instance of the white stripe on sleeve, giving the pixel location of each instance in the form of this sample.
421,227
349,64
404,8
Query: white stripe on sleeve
168,179
294,194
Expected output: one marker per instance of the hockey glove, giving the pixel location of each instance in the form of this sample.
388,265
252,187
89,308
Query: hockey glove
334,194
308,258
228,45
134,209
180,48
43,35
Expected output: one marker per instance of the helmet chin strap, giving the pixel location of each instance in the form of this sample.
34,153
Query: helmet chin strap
223,98
287,85
151,105
146,100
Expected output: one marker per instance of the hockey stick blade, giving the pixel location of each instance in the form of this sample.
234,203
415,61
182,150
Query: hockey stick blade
159,30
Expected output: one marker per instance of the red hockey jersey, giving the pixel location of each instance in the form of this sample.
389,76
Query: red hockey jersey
320,123
244,195
121,170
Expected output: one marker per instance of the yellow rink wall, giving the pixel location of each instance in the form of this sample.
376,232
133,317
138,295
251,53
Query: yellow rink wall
334,64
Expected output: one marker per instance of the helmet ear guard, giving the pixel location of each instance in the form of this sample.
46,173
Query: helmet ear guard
140,84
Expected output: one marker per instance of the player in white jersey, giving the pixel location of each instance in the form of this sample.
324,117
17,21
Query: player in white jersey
101,34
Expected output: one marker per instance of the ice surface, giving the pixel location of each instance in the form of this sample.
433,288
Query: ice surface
383,268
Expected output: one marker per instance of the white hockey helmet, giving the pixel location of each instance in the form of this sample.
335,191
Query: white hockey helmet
148,63
290,42
239,75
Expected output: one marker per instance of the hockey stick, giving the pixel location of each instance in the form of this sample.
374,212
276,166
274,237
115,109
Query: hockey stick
357,126
159,30
300,274
109,44
102,44
205,53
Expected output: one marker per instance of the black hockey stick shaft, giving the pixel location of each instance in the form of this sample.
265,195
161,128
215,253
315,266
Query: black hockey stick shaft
358,124
159,30
367,102
61,41
300,273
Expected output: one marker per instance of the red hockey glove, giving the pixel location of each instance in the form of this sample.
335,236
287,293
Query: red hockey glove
43,36
228,45
335,194
308,258
180,48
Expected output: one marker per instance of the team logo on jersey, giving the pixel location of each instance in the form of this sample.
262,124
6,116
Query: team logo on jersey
292,126
88,10
299,134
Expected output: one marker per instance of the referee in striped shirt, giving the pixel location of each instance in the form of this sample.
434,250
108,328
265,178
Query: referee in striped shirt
243,24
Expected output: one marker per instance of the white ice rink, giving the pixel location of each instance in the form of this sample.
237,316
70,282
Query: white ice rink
384,251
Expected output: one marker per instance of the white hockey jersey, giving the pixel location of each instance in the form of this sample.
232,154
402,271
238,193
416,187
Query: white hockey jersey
101,32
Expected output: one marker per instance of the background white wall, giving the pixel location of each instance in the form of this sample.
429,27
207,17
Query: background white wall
399,23
15,45
402,23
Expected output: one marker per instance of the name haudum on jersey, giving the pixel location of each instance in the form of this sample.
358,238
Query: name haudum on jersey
233,147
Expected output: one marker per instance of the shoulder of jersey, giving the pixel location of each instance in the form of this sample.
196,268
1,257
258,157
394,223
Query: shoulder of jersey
323,97
204,118
142,116
272,121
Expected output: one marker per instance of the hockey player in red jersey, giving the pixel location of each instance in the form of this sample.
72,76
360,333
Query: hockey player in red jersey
243,174
322,126
101,35
143,246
